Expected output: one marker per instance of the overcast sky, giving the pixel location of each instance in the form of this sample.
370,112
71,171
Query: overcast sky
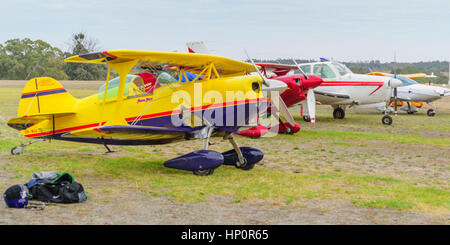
342,30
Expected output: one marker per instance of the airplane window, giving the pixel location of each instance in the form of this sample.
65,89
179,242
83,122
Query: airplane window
113,87
137,87
405,81
305,68
342,69
165,78
323,71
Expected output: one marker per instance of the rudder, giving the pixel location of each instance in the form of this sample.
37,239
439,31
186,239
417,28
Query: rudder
43,96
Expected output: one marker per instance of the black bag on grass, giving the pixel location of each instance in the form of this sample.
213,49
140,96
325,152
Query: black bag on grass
61,190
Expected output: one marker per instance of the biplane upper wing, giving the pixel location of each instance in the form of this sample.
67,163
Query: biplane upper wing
278,66
192,61
278,69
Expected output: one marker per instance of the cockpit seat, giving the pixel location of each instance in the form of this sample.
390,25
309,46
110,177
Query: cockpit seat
149,81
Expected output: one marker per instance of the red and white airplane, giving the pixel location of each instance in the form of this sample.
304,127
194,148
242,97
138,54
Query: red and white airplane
341,88
299,88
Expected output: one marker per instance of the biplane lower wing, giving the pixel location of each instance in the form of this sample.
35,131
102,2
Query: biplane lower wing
127,132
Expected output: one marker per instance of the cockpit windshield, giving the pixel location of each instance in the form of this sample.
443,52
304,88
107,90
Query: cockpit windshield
323,70
341,68
165,78
134,85
405,80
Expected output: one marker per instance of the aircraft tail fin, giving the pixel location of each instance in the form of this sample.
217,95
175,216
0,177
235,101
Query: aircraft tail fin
198,47
45,96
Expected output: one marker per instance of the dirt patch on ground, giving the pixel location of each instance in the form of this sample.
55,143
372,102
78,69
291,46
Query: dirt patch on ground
134,207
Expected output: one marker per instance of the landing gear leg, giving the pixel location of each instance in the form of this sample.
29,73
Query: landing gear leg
409,108
241,162
19,149
431,112
107,148
386,119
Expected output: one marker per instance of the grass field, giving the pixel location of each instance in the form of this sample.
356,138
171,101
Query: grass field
403,167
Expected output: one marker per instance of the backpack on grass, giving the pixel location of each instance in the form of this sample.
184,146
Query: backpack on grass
63,189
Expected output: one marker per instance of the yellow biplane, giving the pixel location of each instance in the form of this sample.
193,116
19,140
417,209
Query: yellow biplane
134,110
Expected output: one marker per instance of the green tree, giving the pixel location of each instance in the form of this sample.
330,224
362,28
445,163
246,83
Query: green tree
80,44
23,59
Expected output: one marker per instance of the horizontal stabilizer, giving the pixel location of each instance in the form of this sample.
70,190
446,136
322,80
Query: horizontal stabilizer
21,123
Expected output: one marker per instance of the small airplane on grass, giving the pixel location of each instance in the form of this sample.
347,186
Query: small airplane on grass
341,88
141,110
414,94
299,90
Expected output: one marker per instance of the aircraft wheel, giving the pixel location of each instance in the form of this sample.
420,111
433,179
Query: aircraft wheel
431,113
246,165
338,113
203,172
306,119
410,112
17,150
386,120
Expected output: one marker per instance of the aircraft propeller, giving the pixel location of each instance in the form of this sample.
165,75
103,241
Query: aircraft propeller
310,98
395,95
274,85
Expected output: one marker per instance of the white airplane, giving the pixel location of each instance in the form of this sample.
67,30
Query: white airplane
411,91
341,88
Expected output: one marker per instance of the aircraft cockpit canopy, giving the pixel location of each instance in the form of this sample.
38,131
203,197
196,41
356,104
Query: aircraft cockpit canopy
134,85
405,80
325,69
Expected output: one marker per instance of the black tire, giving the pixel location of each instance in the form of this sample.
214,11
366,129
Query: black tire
306,119
386,120
410,112
15,151
431,113
203,172
246,166
338,113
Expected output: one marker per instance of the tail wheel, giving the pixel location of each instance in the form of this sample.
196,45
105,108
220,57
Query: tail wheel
431,113
306,119
386,120
203,172
17,150
338,113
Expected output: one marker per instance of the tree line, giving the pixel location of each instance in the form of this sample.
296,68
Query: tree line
23,59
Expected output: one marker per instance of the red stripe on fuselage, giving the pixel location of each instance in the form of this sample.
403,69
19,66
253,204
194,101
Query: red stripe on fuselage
143,117
353,83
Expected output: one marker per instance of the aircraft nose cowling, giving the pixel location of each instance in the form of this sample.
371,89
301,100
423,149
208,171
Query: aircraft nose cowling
395,83
274,85
311,82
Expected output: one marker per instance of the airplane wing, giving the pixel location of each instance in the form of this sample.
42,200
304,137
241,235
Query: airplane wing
415,75
128,132
411,76
191,61
334,95
278,69
377,73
